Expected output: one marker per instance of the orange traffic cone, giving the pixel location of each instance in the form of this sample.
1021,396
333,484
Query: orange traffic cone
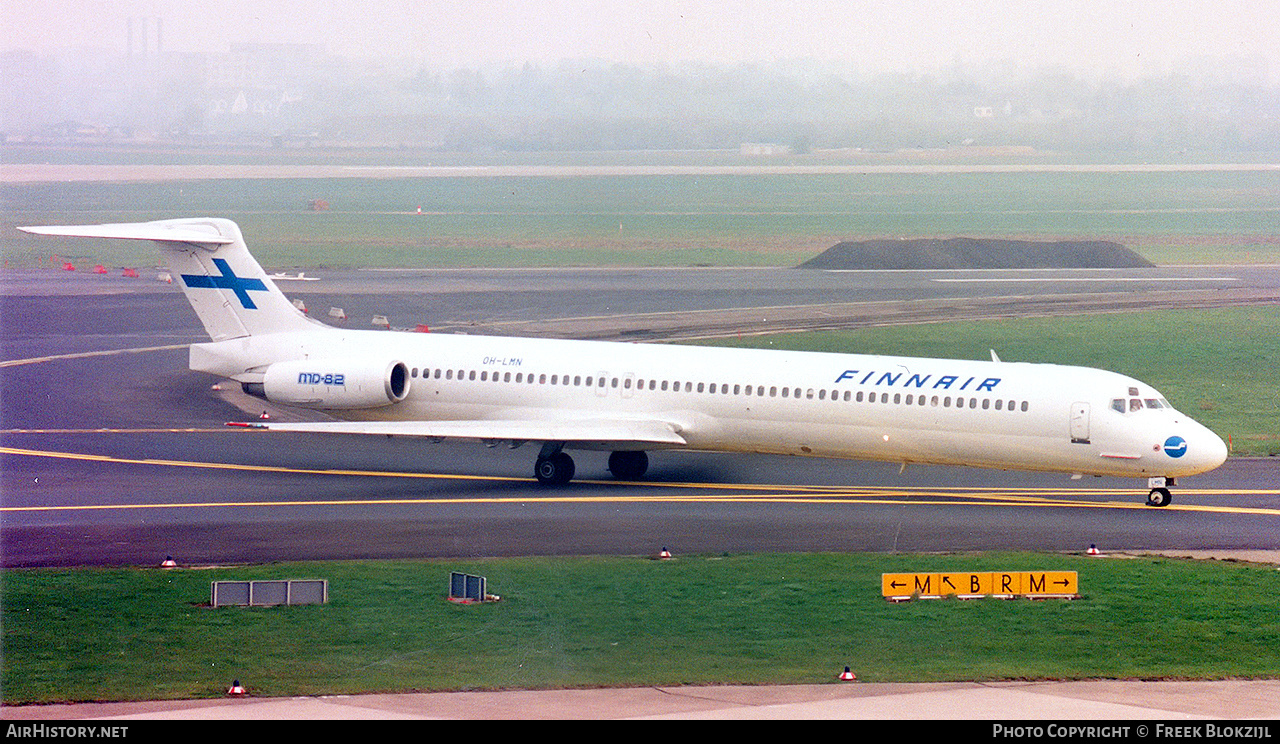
168,562
847,675
265,415
236,689
1093,550
664,554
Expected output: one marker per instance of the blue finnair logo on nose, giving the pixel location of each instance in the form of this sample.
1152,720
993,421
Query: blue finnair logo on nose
1175,446
228,280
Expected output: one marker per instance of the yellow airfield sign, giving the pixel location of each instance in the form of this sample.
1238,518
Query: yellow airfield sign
966,585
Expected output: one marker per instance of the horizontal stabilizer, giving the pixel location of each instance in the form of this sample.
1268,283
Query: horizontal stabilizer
158,231
208,258
642,431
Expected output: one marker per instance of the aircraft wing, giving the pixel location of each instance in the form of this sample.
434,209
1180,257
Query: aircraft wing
609,431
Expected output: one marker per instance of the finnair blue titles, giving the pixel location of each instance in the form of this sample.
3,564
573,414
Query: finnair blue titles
629,398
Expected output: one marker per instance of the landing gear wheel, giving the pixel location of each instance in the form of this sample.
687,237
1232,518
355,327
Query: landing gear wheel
1159,497
555,470
628,465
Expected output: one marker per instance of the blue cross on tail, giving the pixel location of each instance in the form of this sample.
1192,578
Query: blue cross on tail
228,280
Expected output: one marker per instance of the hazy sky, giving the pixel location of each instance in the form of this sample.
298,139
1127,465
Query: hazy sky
1107,36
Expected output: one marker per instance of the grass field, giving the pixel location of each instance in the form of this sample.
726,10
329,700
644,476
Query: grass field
1218,366
106,634
675,220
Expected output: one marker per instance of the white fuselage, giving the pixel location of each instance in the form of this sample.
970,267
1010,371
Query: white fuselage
631,397
898,409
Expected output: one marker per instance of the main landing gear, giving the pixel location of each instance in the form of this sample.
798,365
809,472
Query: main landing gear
555,470
1160,495
554,467
628,465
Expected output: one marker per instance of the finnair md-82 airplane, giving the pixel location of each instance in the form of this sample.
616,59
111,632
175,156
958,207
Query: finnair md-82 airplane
627,398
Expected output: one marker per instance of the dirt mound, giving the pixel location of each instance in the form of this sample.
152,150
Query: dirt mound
976,253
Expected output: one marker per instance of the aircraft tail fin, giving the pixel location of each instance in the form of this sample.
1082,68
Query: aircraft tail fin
223,282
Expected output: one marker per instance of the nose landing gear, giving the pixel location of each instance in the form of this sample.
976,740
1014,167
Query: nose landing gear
1160,495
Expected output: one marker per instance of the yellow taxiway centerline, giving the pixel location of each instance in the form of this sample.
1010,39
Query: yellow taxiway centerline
760,493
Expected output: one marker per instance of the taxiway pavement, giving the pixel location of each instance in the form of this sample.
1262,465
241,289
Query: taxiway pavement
116,454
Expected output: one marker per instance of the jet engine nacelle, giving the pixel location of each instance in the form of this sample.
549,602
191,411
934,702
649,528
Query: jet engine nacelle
334,383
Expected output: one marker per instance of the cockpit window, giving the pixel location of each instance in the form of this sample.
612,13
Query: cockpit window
1129,405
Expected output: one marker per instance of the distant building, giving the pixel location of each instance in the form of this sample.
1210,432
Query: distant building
763,149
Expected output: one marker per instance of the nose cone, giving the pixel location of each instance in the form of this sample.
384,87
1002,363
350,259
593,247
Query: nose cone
1214,451
1195,450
